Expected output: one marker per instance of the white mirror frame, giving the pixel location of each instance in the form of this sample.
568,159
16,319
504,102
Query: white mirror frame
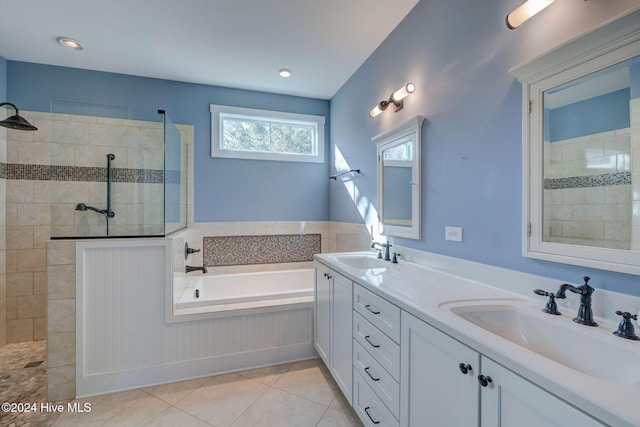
409,131
613,42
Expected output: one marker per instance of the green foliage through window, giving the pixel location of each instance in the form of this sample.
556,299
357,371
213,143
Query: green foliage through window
249,133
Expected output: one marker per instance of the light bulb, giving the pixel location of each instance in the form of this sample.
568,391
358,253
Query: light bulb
525,11
402,93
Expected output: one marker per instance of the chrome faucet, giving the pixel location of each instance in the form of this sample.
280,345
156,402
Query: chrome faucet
189,269
388,245
585,314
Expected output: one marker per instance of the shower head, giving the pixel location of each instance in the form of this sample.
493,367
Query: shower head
16,121
81,207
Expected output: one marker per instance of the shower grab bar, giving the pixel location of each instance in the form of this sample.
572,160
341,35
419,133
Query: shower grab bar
110,157
344,173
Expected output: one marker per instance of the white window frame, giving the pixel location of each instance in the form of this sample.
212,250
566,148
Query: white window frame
218,111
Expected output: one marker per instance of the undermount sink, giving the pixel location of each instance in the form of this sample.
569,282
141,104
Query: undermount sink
364,262
593,351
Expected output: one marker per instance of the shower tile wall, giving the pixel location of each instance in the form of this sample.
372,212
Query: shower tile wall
588,191
137,191
27,230
65,140
3,235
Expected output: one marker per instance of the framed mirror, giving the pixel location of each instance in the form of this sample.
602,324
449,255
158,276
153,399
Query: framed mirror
581,150
398,153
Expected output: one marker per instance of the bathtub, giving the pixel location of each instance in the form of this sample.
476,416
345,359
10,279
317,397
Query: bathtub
224,292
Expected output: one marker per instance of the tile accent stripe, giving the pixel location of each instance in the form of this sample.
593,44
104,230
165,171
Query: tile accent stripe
266,249
603,180
83,173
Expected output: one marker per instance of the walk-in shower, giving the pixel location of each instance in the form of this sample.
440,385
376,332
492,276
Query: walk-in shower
139,191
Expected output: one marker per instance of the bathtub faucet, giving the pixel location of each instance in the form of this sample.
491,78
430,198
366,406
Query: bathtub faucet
189,269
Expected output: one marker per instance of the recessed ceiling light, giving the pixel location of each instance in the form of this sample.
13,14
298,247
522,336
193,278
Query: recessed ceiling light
70,43
285,73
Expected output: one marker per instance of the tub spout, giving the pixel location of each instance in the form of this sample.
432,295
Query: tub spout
189,269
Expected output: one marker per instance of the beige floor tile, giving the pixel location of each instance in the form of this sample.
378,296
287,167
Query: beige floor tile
309,379
128,408
222,399
339,403
278,408
173,392
269,374
173,417
333,418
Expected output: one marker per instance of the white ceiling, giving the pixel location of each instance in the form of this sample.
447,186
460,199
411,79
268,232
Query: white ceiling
232,43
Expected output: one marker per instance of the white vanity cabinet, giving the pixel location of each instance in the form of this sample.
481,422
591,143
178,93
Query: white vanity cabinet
332,325
511,401
434,389
440,387
376,359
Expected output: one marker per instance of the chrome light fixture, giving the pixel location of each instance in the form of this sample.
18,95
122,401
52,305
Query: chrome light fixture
525,11
16,121
396,99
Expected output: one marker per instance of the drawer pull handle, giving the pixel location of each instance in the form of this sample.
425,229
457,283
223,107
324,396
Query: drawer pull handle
368,307
465,368
366,410
370,342
484,380
369,373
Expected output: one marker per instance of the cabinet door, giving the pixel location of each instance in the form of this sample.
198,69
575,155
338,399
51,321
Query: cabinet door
342,336
511,401
433,389
322,313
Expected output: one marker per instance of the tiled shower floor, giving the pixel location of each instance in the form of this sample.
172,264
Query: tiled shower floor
291,395
21,381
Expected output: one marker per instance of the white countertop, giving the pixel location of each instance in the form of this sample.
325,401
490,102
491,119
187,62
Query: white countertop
425,292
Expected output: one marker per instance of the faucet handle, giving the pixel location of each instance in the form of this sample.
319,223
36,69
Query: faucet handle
551,307
395,257
626,329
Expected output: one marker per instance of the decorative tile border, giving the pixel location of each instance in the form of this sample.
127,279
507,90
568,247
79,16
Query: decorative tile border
265,249
82,173
603,180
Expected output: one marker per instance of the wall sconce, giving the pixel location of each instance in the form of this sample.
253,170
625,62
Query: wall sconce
396,99
16,121
525,11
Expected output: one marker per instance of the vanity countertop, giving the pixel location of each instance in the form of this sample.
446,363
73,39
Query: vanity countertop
426,292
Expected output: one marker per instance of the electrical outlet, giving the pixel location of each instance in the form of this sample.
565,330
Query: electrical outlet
453,233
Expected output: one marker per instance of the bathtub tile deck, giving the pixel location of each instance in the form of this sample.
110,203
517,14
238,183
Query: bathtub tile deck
291,395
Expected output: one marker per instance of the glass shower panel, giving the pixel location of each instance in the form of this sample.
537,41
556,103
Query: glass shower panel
107,171
175,178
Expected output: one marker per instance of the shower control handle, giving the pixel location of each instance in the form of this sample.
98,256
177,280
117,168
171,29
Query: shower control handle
188,251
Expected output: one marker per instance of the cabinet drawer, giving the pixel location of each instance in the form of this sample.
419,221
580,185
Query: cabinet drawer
369,407
379,380
384,315
380,346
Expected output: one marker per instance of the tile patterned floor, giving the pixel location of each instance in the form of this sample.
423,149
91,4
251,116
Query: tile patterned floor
290,395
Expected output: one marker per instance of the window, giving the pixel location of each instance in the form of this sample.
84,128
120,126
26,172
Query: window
246,133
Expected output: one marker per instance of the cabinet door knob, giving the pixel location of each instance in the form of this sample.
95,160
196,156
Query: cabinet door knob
484,380
465,368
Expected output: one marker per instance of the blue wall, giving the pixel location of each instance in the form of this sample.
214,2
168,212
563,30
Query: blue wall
225,189
595,115
3,79
458,53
